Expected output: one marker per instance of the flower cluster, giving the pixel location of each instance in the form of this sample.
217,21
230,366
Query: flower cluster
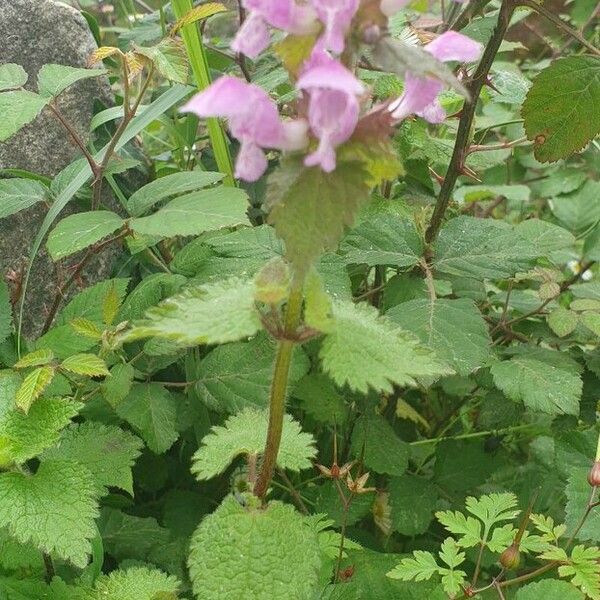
331,95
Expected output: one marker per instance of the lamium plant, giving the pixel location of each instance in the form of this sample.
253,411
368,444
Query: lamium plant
350,347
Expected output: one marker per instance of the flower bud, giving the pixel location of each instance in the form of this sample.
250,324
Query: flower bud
594,475
511,557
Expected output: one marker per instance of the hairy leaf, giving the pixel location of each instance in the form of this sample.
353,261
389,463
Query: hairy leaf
137,583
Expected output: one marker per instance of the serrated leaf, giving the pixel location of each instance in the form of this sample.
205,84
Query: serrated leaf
584,570
54,79
169,59
80,231
235,376
592,321
420,567
493,508
19,194
277,553
562,321
23,437
246,434
468,528
310,208
541,386
152,411
137,583
199,13
53,509
364,350
481,248
549,589
374,439
560,110
86,328
12,76
211,314
18,108
171,185
384,240
577,492
412,500
116,387
36,358
546,237
195,213
85,364
106,451
33,387
454,329
580,210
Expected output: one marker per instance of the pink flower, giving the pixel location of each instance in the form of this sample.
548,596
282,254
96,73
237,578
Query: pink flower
254,36
336,16
253,119
333,106
420,93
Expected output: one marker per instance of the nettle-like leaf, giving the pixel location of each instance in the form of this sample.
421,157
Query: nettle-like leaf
169,59
422,566
116,387
211,314
33,387
54,79
384,240
276,557
364,350
543,385
18,108
246,434
152,410
53,509
481,248
454,329
235,376
85,364
549,589
19,194
560,110
12,76
106,451
413,501
137,583
310,209
23,437
374,439
582,567
577,492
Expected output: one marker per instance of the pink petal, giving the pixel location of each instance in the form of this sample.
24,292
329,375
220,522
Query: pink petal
418,94
391,7
323,71
454,46
337,16
251,162
284,14
295,135
223,98
252,37
434,113
324,156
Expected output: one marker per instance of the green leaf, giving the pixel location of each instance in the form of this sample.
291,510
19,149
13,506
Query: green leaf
136,583
420,567
85,364
493,508
320,398
165,187
549,589
277,554
148,293
452,580
481,193
23,437
53,509
152,411
12,76
481,248
310,209
376,442
541,386
116,387
18,109
19,194
580,210
6,325
467,528
562,321
454,329
169,59
546,237
235,376
80,231
54,79
560,110
37,358
33,387
413,501
246,434
364,350
584,569
384,240
211,314
577,492
106,451
195,213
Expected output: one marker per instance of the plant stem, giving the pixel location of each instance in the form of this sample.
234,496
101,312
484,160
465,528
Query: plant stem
296,497
49,566
476,434
463,135
199,63
279,386
560,24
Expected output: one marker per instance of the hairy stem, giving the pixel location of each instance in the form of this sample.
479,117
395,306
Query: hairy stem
463,136
279,385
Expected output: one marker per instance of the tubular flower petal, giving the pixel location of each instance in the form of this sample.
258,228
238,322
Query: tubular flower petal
253,119
336,16
420,93
333,106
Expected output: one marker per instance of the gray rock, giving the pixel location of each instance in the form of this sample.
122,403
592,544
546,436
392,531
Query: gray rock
34,33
